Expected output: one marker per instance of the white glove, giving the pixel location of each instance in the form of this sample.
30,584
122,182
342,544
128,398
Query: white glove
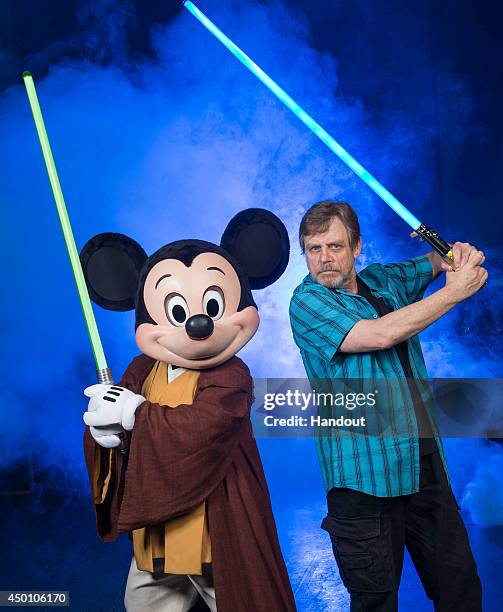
111,406
107,436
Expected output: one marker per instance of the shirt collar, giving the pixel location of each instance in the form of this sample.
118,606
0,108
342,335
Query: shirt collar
174,372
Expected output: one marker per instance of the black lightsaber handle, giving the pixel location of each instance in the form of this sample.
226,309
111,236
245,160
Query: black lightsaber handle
105,378
438,244
436,241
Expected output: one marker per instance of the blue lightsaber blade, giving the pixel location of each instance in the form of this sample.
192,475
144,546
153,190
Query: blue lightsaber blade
424,232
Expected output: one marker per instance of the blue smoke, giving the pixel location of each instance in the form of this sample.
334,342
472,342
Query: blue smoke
173,148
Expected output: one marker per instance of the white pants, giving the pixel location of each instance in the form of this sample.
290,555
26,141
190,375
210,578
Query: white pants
161,592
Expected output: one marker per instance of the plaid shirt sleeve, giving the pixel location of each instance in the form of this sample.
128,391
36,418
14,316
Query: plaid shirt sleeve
319,323
410,278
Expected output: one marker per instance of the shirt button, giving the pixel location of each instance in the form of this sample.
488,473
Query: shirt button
375,316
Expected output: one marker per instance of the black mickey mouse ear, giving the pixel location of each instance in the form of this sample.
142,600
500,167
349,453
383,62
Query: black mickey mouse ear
259,241
111,264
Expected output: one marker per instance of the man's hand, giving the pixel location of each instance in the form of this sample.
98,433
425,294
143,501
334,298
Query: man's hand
111,406
460,253
470,276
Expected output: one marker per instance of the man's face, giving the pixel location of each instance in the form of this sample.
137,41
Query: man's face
330,258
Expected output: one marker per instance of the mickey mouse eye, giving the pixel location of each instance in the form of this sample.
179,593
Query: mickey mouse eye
176,309
214,303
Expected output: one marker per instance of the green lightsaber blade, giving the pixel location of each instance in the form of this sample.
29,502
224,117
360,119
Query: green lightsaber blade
99,355
426,233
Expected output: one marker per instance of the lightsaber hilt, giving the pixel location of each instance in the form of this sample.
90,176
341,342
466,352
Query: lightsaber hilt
105,378
433,238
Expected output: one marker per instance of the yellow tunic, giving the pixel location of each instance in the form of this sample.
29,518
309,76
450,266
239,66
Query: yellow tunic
183,542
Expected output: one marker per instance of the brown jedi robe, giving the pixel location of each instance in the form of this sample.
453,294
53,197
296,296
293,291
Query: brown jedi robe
205,451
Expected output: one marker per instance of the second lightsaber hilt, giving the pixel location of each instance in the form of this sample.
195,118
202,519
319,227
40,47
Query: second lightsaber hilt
105,378
433,238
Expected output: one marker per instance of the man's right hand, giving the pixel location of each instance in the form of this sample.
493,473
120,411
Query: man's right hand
468,278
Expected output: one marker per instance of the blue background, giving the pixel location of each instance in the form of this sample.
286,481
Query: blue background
159,133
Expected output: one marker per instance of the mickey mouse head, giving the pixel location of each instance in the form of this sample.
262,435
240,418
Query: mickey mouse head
193,300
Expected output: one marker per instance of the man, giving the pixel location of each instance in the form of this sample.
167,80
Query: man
386,492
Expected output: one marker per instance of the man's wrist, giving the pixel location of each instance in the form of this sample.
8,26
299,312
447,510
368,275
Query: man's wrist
436,264
449,295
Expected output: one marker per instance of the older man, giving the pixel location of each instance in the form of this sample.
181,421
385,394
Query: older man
384,493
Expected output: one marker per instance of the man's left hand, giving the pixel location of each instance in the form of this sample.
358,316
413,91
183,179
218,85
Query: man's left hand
460,254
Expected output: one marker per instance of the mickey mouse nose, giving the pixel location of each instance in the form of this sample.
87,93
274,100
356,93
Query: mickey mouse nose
199,327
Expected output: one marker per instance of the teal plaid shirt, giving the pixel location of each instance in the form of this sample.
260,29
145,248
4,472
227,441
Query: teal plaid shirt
320,318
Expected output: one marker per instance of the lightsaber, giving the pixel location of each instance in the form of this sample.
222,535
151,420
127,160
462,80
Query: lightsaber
103,371
425,233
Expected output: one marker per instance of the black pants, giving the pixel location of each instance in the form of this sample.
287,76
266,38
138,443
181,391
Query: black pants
369,534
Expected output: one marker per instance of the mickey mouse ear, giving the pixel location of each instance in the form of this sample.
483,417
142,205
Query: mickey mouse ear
111,264
259,241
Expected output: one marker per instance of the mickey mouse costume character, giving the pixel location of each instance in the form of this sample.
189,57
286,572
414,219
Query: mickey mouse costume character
191,490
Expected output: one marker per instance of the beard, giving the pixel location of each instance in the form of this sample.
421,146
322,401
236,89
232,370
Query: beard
331,278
